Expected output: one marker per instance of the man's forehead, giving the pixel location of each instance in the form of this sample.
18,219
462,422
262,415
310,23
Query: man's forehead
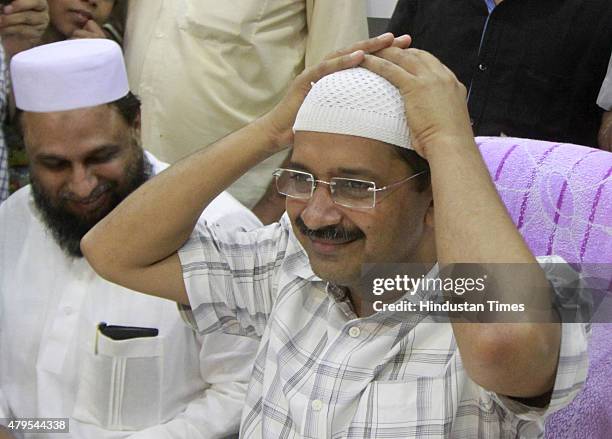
60,132
341,152
76,114
100,118
344,170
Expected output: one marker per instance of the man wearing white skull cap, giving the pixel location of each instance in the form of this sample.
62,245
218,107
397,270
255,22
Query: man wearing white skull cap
374,150
113,363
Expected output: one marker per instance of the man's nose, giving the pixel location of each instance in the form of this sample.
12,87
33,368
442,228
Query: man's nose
82,182
321,211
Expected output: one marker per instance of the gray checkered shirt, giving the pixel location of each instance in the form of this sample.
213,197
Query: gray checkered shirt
323,372
4,176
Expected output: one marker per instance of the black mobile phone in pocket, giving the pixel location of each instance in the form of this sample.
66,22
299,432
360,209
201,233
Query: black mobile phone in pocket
116,332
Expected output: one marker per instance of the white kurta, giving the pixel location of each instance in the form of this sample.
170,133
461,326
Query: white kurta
175,385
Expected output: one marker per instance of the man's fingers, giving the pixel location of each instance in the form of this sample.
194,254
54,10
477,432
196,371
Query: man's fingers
391,71
92,26
84,33
90,30
21,32
373,45
23,18
25,5
403,42
414,61
81,34
369,45
333,65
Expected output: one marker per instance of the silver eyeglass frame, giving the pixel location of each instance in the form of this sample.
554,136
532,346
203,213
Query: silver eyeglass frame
314,181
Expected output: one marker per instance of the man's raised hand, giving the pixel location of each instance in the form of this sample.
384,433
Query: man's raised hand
280,120
436,107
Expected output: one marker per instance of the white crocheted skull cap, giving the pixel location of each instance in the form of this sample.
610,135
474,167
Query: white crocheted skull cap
355,102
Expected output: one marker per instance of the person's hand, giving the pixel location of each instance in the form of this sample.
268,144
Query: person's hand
436,108
90,30
22,24
279,122
605,131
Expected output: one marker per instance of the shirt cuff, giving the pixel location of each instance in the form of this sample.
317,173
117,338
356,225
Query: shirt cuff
571,374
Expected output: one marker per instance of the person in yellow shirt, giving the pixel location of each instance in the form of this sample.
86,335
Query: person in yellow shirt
205,68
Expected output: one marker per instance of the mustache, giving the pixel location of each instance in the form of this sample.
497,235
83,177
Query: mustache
329,233
95,193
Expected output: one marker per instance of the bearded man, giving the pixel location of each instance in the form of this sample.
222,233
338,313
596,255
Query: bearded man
114,363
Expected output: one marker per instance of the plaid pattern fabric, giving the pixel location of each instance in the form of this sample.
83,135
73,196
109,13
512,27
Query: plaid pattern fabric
4,176
323,372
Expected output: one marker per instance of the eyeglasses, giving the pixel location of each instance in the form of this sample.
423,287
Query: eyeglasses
347,192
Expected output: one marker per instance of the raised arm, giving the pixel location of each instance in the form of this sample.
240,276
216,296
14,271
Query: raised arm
135,246
473,226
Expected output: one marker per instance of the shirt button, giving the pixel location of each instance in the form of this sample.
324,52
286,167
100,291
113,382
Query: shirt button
160,35
471,121
354,332
482,67
68,310
316,405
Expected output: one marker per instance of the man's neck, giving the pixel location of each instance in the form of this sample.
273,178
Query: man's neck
362,299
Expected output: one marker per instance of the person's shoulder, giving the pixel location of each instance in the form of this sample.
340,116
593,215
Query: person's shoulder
17,218
17,203
227,211
223,210
156,164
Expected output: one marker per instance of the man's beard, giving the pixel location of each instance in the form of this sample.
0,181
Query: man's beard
68,228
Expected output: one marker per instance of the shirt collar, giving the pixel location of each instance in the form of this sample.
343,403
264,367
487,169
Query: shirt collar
490,5
296,261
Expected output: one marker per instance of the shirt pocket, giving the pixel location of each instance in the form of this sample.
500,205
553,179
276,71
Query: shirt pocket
120,384
226,22
407,408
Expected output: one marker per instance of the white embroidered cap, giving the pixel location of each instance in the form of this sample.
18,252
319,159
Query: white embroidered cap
68,75
355,102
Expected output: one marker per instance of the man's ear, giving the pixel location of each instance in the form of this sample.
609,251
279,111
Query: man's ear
137,122
135,129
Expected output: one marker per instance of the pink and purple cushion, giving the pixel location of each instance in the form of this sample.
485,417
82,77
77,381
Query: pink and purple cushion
560,198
